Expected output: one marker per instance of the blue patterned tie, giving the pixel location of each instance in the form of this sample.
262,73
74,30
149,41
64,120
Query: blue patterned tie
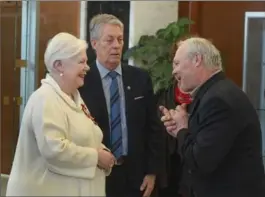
115,117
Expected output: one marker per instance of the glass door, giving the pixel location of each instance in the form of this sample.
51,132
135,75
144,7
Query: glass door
254,64
18,68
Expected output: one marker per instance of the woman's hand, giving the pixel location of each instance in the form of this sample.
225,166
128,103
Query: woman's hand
105,159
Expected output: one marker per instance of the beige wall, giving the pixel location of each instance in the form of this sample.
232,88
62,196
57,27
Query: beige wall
146,17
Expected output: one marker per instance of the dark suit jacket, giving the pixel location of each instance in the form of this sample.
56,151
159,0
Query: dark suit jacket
221,149
166,97
144,127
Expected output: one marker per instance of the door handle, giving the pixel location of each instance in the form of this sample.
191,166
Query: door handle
6,100
21,63
18,100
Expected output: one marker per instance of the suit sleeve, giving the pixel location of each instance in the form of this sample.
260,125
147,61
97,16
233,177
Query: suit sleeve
216,132
154,129
61,154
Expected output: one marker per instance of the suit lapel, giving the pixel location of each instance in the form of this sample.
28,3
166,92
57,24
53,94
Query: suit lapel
97,84
127,79
202,90
98,96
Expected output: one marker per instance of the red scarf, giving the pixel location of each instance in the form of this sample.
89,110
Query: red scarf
181,97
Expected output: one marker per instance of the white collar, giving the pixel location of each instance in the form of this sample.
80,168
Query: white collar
73,103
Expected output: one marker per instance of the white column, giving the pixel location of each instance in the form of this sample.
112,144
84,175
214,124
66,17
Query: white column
83,20
146,17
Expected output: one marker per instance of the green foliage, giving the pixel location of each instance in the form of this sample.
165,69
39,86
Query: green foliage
154,52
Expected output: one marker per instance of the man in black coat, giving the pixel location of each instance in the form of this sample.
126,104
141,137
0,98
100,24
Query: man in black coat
121,99
220,133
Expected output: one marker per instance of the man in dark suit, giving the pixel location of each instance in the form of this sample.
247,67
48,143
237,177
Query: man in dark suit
121,99
219,134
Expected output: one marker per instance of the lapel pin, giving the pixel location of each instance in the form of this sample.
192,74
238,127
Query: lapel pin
128,87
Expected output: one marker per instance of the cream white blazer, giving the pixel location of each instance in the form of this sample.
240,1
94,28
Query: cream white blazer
56,152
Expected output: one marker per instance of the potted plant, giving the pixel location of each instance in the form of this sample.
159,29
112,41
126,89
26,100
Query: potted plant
154,52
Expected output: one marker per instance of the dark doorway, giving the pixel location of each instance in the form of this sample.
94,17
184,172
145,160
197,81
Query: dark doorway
120,9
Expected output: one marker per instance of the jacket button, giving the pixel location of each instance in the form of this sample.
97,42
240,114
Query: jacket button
189,171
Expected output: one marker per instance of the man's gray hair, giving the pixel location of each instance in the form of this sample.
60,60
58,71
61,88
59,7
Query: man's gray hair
62,46
98,21
200,46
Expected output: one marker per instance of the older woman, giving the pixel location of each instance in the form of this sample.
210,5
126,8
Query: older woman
59,150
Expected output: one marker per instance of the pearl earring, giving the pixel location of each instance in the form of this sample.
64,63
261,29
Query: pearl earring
61,74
